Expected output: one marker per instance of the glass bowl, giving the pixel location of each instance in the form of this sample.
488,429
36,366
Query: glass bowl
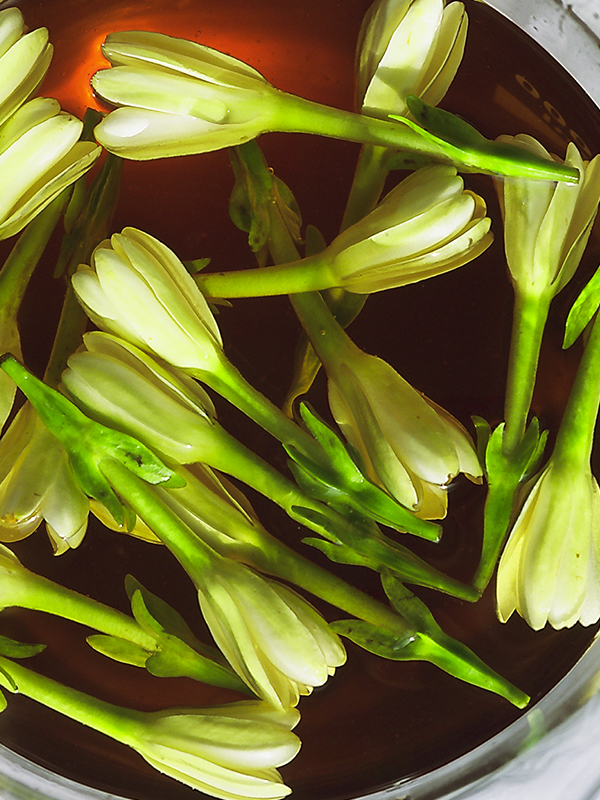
549,750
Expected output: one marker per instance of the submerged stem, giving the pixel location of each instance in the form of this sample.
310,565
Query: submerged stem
529,321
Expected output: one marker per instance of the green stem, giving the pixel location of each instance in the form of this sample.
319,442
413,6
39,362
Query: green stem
305,275
529,321
367,186
114,721
192,553
576,433
230,384
228,455
25,589
294,114
26,253
195,555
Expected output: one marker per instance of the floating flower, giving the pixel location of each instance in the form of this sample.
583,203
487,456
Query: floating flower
40,155
228,751
37,484
408,47
24,61
170,317
547,225
550,568
180,97
409,445
177,417
427,225
276,642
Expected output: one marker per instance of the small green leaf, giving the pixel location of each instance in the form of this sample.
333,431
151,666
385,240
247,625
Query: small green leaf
119,649
3,702
14,649
583,310
448,126
196,265
339,553
483,431
375,640
341,482
467,148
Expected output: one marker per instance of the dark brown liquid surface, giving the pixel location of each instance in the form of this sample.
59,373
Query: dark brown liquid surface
376,721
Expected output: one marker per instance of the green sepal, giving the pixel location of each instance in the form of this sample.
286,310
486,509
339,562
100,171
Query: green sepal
89,443
155,615
3,702
340,554
379,641
344,484
178,653
10,648
316,521
432,644
464,145
523,463
583,310
196,265
505,475
119,649
380,552
314,241
483,431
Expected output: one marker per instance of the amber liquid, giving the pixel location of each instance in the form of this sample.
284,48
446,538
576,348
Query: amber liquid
376,721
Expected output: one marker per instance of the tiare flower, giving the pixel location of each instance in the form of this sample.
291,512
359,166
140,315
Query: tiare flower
24,61
408,47
169,317
409,445
550,568
427,225
272,637
179,97
37,484
230,751
40,151
108,378
547,225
